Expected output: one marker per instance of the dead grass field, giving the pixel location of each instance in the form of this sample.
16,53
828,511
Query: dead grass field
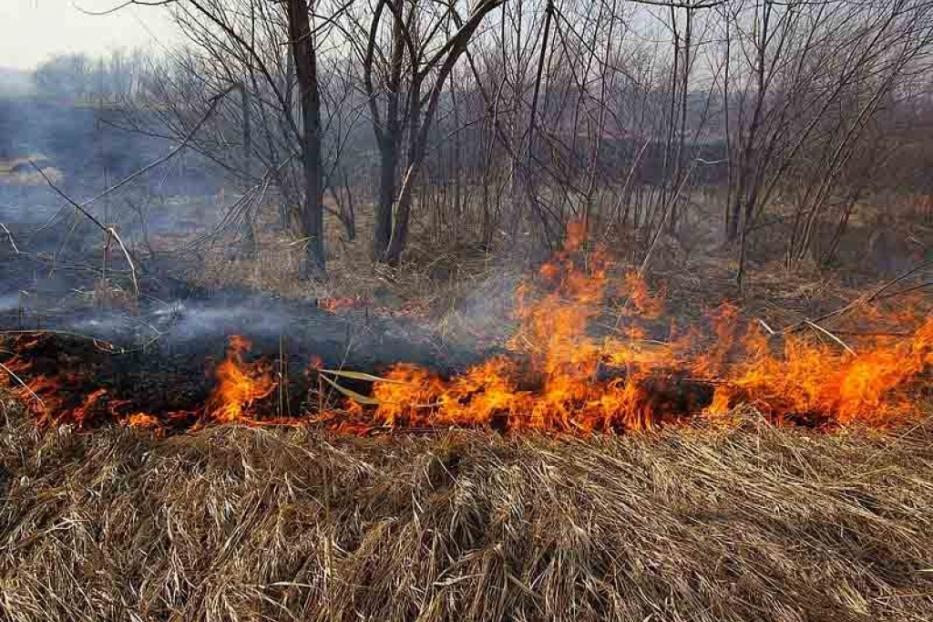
231,523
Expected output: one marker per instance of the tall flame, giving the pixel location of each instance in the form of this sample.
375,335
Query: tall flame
238,384
815,379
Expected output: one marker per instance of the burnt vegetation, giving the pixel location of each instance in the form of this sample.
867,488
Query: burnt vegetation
485,310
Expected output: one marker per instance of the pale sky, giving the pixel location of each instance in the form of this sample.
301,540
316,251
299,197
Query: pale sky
33,30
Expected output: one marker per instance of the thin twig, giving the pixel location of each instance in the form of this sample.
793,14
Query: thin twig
10,237
906,290
863,299
110,231
74,203
125,4
766,327
842,343
100,344
129,259
214,100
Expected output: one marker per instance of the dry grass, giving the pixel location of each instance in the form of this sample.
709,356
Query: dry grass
450,280
19,171
757,523
434,275
462,292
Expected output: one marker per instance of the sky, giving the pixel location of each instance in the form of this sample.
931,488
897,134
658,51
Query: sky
31,31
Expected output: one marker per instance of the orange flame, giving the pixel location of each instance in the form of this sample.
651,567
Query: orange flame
334,305
238,384
142,420
574,381
47,397
815,379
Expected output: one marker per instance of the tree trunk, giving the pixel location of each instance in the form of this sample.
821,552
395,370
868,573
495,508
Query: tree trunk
249,236
388,164
399,237
393,211
389,139
311,214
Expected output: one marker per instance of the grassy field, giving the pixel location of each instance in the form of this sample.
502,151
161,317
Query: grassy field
750,522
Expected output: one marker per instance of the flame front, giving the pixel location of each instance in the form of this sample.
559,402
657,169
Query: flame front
817,380
590,353
563,378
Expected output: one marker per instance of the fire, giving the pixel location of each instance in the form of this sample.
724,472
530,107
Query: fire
238,384
565,377
69,397
142,420
810,378
49,398
590,353
333,305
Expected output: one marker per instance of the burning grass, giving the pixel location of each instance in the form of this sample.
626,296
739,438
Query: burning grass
241,523
592,351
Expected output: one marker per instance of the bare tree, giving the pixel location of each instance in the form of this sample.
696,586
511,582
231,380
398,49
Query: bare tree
501,120
270,51
406,64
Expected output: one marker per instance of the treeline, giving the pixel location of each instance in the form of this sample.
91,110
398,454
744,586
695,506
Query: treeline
492,121
79,78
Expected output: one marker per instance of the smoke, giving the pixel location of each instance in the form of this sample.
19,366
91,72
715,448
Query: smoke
198,324
55,284
484,315
9,302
